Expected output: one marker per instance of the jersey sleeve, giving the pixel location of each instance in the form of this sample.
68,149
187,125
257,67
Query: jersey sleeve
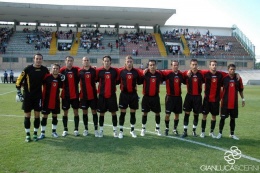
20,79
241,86
140,78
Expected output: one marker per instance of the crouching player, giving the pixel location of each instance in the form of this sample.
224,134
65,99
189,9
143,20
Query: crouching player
51,100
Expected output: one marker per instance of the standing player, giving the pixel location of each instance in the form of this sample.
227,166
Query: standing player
107,77
88,94
211,99
51,99
70,94
31,79
229,103
129,77
193,99
173,99
151,99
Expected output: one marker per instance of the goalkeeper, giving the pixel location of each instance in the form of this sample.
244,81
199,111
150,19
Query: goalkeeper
31,80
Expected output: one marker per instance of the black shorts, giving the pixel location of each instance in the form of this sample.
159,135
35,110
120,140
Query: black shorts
31,103
210,107
192,103
173,104
46,111
130,99
85,104
107,104
233,113
151,104
67,102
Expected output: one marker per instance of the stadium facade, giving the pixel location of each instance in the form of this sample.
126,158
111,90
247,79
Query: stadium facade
111,26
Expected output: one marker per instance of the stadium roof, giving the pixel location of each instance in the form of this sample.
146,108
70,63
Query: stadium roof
73,14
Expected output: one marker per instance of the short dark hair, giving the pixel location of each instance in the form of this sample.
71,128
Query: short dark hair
151,60
175,61
193,60
56,64
69,57
38,55
107,56
231,65
213,61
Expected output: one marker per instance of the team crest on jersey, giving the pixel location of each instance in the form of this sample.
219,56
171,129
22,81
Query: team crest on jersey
176,80
87,76
153,80
107,76
195,79
214,80
54,84
231,84
70,75
129,77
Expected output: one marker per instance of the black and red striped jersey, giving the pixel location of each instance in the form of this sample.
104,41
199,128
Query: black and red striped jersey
194,83
173,81
213,85
88,88
151,84
231,87
129,79
108,80
51,91
70,88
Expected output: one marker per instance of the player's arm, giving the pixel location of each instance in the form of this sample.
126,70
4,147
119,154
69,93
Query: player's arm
140,78
118,70
241,89
19,81
243,98
225,73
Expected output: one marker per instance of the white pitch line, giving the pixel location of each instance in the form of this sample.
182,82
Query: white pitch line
7,93
173,137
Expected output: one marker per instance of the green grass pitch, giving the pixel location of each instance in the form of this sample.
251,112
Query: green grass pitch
147,154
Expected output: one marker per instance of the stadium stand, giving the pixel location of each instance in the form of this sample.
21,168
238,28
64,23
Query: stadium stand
5,35
138,44
28,41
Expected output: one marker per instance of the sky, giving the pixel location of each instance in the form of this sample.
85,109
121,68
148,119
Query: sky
214,13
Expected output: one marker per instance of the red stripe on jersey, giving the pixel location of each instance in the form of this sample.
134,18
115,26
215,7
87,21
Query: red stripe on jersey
108,81
129,82
88,85
213,89
168,88
231,95
152,87
72,89
177,86
52,102
195,86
